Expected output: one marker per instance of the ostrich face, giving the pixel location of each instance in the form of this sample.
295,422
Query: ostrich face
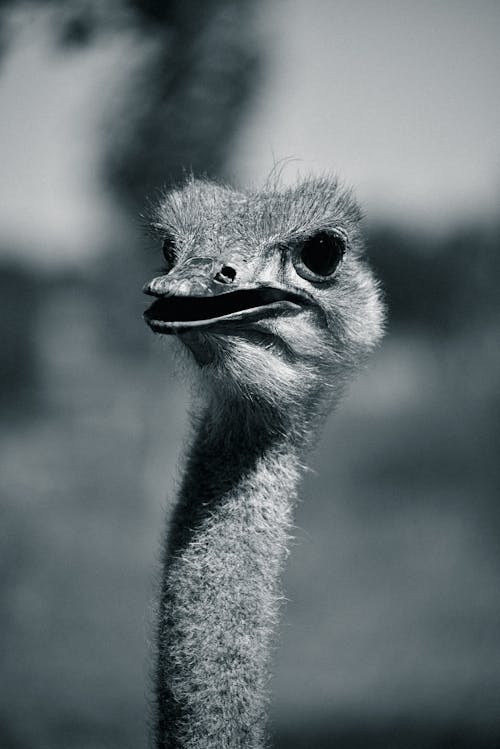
268,290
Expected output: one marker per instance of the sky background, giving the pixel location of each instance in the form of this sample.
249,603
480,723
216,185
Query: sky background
400,98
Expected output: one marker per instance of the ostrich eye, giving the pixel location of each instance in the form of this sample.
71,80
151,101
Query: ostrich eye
320,255
168,250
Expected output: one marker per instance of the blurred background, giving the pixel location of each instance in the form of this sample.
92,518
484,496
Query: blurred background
391,634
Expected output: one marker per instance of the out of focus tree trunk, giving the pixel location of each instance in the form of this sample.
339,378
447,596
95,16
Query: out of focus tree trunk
178,110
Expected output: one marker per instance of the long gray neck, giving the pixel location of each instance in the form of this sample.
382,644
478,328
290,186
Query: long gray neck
220,591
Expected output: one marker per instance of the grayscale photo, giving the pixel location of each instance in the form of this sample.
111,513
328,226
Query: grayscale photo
250,374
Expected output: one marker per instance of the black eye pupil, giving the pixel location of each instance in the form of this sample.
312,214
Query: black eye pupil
322,253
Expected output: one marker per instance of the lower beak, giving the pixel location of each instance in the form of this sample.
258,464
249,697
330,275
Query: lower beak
216,305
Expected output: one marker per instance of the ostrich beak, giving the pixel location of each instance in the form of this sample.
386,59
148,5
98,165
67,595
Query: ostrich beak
190,298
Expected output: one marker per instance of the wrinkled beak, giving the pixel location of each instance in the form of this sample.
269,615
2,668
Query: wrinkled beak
194,296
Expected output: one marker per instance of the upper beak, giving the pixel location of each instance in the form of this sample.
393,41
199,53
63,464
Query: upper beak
194,297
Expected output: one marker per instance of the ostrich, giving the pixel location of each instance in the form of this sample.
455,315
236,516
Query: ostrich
273,300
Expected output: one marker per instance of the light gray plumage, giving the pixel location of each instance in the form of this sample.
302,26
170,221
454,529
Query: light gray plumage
273,339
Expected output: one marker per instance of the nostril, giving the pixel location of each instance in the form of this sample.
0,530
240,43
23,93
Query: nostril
226,274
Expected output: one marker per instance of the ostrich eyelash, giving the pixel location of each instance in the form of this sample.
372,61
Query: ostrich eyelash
168,249
168,245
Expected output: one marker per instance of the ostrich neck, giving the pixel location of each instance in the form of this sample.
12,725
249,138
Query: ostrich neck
220,591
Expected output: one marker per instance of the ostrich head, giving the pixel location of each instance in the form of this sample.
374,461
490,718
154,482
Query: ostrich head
268,290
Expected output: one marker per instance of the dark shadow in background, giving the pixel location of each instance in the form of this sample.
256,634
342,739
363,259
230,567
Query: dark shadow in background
402,734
